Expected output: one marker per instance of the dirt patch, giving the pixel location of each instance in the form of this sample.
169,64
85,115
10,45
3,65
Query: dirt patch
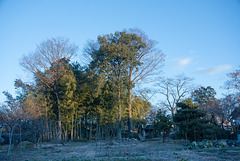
126,150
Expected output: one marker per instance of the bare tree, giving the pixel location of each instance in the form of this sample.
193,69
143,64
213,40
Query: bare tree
228,104
11,111
174,90
146,94
234,83
46,63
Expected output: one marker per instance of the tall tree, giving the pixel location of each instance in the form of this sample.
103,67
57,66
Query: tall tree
205,97
174,90
144,60
234,83
47,64
109,55
228,104
131,56
66,86
233,86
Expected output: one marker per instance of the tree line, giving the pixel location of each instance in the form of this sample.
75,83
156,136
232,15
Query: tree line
200,115
68,101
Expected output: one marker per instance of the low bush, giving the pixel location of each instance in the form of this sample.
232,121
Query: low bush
211,144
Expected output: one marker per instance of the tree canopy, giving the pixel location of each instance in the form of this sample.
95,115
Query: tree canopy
68,101
190,120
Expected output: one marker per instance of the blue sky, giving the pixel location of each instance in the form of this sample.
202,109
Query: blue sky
199,38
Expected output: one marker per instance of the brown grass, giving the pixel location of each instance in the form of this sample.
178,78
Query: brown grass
112,150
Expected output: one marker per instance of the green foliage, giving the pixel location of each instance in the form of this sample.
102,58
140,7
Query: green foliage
140,109
190,121
162,123
117,57
69,100
193,124
182,159
208,144
187,104
216,132
203,95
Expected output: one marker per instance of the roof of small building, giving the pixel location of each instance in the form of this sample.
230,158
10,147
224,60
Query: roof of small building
149,127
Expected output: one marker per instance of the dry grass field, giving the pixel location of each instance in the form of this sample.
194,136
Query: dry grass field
112,150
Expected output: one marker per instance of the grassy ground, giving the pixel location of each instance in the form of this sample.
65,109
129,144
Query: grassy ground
112,150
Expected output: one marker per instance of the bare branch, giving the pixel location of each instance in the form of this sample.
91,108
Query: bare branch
174,89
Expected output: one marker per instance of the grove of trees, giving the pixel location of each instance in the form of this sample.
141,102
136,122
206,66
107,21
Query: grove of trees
67,101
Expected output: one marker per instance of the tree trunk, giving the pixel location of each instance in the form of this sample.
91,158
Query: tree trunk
72,126
65,133
164,137
66,130
103,132
75,125
98,127
47,129
119,112
172,112
86,130
130,127
80,130
222,123
195,135
59,139
50,130
90,133
59,131
97,137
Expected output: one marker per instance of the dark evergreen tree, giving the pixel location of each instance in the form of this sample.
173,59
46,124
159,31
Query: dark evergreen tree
162,123
190,120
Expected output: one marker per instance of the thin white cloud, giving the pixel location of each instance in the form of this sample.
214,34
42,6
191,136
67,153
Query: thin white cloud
215,70
219,69
183,62
201,69
192,52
